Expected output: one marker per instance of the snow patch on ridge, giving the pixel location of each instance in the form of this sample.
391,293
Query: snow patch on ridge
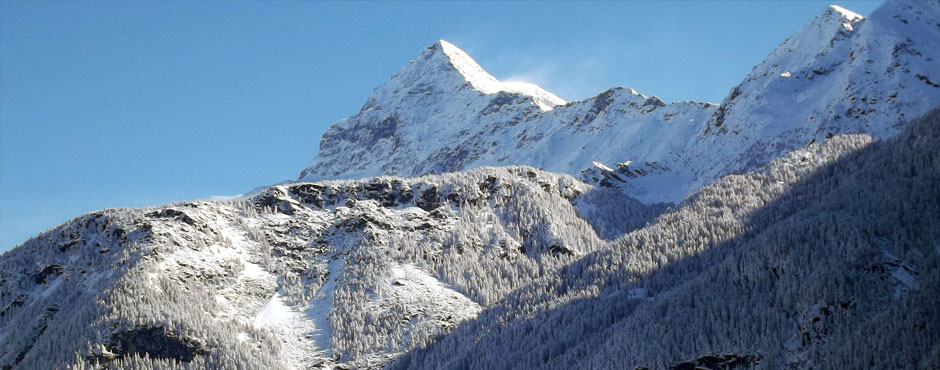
847,14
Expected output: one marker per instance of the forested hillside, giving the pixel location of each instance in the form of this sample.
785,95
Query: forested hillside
826,253
825,259
796,225
341,272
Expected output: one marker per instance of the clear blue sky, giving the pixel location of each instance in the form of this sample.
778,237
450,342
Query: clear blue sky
116,104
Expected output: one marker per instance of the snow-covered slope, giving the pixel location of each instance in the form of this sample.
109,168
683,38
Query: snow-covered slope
837,242
840,73
443,113
794,266
299,276
802,259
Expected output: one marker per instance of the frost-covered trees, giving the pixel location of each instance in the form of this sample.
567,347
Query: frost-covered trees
373,267
826,258
825,253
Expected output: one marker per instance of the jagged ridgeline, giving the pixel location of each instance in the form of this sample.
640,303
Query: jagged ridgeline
840,73
796,225
808,262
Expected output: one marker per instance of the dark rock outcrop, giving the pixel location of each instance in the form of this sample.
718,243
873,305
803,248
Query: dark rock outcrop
173,214
48,273
153,341
719,362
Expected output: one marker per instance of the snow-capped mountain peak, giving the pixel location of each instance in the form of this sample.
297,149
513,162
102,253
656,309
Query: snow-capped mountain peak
469,68
483,82
446,71
840,73
442,112
816,38
806,202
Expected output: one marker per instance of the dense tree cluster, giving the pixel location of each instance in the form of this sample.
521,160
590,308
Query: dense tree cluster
824,259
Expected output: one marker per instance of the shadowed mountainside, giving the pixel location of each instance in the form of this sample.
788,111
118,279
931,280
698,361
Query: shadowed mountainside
837,271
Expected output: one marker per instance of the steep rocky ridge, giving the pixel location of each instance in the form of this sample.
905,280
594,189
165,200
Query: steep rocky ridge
336,273
839,74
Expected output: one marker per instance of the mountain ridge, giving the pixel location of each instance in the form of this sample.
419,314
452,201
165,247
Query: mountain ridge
818,82
655,235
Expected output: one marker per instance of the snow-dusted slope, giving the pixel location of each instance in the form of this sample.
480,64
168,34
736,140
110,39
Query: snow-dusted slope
840,73
828,250
793,266
494,268
442,113
300,276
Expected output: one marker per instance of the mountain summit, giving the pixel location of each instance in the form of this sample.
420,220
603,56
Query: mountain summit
840,73
805,232
442,112
487,84
444,69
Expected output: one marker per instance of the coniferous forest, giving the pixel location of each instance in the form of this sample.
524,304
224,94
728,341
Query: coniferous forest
438,228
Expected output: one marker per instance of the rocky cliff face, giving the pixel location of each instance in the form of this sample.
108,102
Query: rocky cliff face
841,73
